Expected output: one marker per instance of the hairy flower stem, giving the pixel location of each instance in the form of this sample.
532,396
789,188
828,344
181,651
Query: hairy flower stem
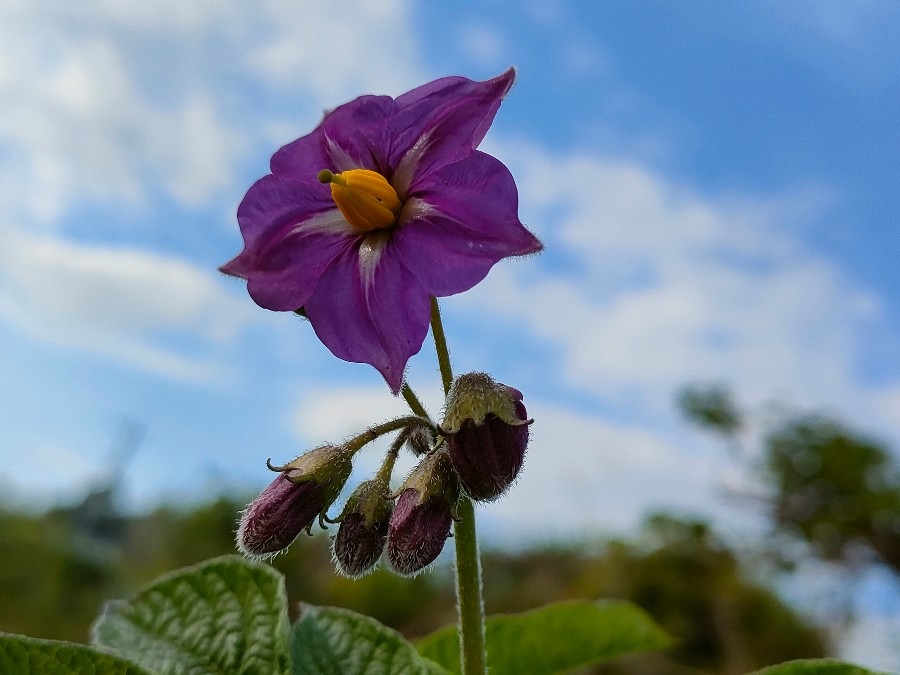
469,598
413,401
378,430
440,346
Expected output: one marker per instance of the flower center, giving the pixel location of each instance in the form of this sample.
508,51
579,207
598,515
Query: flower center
366,199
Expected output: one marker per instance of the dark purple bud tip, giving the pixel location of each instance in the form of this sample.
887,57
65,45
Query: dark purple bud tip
273,520
358,547
487,434
420,441
487,457
417,531
361,536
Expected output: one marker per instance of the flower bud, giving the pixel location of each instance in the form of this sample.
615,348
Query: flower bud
362,534
487,433
420,440
423,514
304,489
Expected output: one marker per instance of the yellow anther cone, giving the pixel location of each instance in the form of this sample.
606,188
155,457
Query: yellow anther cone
365,197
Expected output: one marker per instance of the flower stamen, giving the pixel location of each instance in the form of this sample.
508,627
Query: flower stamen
365,197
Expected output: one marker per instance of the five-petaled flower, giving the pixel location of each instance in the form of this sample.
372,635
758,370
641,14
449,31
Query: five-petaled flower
386,204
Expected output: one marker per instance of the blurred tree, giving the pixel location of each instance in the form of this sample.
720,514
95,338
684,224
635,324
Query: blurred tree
47,588
835,488
827,484
710,406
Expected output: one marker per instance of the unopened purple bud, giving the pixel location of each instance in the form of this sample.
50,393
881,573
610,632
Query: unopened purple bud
362,534
304,489
420,441
418,532
487,434
274,519
422,515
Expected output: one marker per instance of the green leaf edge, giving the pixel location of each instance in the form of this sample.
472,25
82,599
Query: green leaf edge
230,559
309,611
49,649
661,639
818,667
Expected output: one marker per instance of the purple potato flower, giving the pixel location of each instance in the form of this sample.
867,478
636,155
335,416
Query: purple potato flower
385,205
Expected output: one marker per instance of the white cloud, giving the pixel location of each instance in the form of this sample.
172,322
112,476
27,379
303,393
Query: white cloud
665,286
586,475
109,100
113,103
80,127
330,415
336,51
888,402
115,301
483,44
71,472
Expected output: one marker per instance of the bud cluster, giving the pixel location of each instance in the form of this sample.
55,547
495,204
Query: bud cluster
477,450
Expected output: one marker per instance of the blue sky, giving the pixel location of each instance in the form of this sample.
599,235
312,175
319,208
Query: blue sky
716,185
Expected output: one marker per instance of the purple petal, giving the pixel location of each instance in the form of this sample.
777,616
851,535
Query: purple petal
441,123
469,224
291,235
295,271
272,205
367,308
423,91
349,137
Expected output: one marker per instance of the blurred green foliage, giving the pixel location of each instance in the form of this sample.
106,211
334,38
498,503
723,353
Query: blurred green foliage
835,488
54,580
711,406
825,484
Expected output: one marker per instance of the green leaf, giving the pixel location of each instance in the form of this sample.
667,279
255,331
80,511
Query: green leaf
334,641
226,615
815,667
20,655
554,637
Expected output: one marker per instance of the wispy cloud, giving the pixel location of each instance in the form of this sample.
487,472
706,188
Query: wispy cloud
664,285
484,44
586,475
335,53
116,301
131,100
80,128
